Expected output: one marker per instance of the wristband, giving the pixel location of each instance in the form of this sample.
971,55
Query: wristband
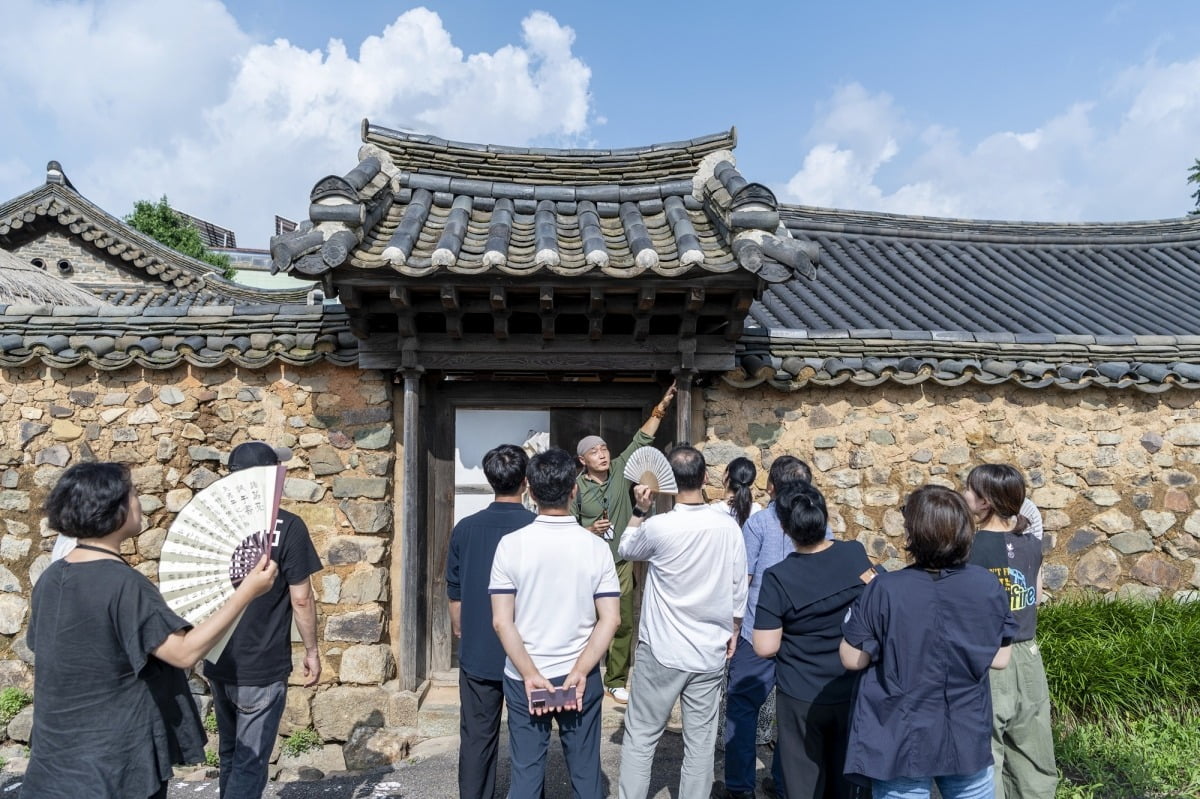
638,512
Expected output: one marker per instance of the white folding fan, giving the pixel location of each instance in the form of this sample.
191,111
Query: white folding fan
214,542
649,467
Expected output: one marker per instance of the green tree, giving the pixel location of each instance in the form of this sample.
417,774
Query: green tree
1194,177
160,222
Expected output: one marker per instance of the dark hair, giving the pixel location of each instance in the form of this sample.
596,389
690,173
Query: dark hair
788,469
90,500
938,526
802,513
739,476
688,465
505,468
1001,486
551,476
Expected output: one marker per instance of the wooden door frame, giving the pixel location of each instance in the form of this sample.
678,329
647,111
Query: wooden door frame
442,402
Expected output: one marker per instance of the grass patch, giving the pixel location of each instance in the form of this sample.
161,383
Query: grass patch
211,758
1108,660
210,722
1144,758
301,741
12,700
1125,688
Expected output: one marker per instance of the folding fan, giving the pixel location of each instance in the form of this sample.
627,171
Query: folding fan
216,540
649,467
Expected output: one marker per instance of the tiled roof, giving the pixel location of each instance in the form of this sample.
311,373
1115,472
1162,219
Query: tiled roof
912,299
109,338
420,205
57,204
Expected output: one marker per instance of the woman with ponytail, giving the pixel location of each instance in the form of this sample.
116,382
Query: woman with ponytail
803,600
739,480
1022,744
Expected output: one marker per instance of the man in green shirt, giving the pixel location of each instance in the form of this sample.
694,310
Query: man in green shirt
603,506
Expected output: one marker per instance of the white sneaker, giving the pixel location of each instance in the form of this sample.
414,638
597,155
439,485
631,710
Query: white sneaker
620,695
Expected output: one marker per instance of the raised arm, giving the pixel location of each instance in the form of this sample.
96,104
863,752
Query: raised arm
184,648
650,426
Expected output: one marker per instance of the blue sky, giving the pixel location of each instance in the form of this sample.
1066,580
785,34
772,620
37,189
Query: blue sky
1063,111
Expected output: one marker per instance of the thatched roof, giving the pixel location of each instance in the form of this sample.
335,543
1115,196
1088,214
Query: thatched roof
21,282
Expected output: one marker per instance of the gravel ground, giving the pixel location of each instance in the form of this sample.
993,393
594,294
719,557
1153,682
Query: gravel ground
431,773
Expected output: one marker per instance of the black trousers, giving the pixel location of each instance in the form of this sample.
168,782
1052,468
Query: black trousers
481,702
812,748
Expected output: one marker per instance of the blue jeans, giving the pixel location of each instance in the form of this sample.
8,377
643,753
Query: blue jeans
969,786
247,723
751,679
529,741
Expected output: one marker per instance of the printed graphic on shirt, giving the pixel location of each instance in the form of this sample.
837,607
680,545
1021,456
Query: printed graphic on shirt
1021,594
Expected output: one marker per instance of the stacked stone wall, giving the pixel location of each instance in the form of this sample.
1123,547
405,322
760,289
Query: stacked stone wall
85,265
1114,472
173,428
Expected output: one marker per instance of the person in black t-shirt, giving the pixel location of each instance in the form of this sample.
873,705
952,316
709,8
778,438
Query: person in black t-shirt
113,708
1022,744
798,621
249,679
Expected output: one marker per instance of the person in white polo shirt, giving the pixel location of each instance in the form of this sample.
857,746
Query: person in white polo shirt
555,607
692,610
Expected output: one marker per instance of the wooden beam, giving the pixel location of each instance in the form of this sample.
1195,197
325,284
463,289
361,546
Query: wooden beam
350,296
550,361
400,296
695,300
359,328
452,311
500,312
546,305
596,313
645,299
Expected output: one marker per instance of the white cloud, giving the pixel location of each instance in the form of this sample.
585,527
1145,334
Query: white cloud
1120,156
235,132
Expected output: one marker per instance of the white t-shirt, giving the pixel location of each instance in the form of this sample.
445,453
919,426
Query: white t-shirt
63,546
724,505
557,570
695,587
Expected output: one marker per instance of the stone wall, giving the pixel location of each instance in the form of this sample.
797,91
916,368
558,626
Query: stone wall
174,428
83,264
1114,473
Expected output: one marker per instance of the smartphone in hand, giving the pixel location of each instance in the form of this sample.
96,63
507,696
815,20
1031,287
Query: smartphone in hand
552,699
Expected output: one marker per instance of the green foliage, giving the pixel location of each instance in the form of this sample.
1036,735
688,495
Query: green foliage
11,701
1125,689
1107,660
211,758
160,222
210,722
1140,757
1194,177
301,741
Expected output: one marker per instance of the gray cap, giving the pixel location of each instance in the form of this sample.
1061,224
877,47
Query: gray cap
588,442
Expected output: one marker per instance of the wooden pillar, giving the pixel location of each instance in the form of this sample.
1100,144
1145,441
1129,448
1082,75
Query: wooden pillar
410,624
683,406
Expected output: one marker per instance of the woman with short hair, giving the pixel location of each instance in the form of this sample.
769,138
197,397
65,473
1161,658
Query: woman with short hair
106,643
1022,744
798,621
926,638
